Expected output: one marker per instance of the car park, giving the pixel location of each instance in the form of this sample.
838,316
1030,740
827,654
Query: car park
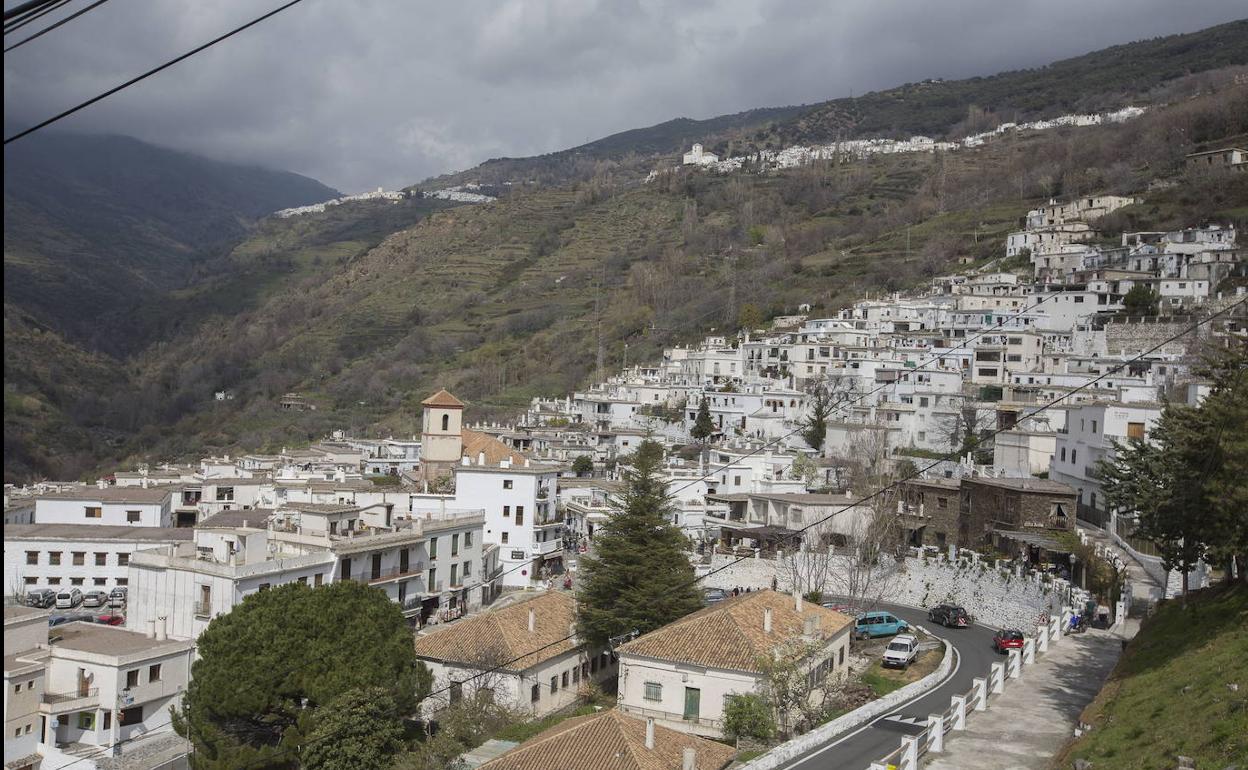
715,595
1007,639
117,597
67,600
94,599
879,623
42,598
901,651
949,616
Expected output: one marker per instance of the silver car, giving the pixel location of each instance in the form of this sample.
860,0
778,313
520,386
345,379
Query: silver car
94,599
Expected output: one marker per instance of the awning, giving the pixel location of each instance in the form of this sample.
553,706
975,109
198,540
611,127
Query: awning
766,533
1036,539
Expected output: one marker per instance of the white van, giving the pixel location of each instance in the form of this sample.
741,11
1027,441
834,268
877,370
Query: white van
67,600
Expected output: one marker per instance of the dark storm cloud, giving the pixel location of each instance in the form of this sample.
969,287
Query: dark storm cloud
387,92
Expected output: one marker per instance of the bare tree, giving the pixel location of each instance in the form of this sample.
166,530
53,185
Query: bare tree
965,427
791,685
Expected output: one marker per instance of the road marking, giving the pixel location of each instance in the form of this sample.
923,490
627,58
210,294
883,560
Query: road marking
957,664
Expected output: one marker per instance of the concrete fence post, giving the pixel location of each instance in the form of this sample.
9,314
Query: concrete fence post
959,712
981,693
910,752
936,732
997,675
1055,628
1042,639
1014,667
1029,651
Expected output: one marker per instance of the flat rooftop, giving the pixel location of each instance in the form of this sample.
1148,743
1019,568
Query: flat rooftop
95,532
108,640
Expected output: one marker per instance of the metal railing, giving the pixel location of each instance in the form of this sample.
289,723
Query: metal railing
672,716
908,756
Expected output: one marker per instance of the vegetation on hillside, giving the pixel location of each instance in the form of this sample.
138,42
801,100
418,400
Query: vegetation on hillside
1180,689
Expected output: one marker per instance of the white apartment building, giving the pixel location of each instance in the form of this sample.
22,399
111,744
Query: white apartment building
84,556
521,516
1089,436
115,506
25,675
680,675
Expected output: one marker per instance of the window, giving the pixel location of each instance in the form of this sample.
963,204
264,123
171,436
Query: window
108,720
56,581
564,679
131,716
455,544
32,557
17,687
153,672
841,657
76,581
205,601
1063,454
454,574
132,678
86,720
264,587
554,684
535,694
433,548
1074,455
1094,426
576,674
318,579
30,580
433,582
101,559
654,691
519,515
123,581
446,422
134,517
585,671
93,511
506,483
225,494
467,569
1135,430
99,581
467,539
54,558
123,559
504,538
80,558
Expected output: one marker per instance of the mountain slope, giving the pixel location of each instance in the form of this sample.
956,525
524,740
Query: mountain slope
97,225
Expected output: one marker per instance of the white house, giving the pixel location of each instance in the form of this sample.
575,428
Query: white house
682,673
538,670
25,634
699,157
1089,436
134,506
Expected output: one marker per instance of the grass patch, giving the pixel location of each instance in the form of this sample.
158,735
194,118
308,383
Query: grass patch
746,756
1171,693
522,731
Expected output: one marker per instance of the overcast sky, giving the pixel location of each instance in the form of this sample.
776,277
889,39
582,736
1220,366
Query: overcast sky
387,92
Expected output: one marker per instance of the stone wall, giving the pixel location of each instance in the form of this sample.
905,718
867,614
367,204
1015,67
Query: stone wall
994,596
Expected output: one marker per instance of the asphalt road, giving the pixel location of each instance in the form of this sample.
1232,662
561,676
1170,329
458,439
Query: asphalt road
858,748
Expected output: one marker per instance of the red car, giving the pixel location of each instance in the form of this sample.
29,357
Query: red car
111,620
1009,639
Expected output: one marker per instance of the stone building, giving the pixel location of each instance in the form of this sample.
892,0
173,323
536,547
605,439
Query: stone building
1001,506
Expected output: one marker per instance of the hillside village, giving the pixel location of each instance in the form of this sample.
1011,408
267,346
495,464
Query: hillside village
984,399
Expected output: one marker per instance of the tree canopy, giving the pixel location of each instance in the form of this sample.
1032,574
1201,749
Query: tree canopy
639,576
583,465
274,668
703,426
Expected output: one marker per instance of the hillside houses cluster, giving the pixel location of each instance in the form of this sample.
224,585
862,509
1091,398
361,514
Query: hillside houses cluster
800,155
453,523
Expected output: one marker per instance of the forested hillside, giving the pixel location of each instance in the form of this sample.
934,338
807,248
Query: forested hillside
367,308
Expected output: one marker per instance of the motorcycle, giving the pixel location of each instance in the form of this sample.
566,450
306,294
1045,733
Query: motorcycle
1078,624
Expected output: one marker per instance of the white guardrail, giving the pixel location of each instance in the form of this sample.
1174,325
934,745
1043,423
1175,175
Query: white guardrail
909,755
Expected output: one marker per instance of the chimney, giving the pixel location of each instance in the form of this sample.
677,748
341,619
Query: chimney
797,602
650,733
161,630
766,620
532,621
480,458
151,629
689,759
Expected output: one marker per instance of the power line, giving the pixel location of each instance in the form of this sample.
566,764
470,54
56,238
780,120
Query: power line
22,9
51,27
150,72
17,24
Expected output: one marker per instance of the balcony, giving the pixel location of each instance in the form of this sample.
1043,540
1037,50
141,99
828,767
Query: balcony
386,576
203,611
151,691
67,702
548,547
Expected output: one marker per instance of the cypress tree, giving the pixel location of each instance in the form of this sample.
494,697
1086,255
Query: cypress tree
703,426
639,577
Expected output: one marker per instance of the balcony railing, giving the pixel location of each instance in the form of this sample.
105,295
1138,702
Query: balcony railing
64,702
383,576
672,716
203,611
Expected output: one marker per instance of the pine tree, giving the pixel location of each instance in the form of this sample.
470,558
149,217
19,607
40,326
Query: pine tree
639,577
703,426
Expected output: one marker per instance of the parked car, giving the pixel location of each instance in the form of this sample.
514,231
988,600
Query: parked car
949,615
714,595
94,599
901,652
42,598
57,620
67,600
837,607
117,597
878,623
1007,639
111,619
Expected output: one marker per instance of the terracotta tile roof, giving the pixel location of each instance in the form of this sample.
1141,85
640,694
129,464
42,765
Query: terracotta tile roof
610,740
500,635
443,398
729,635
475,443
